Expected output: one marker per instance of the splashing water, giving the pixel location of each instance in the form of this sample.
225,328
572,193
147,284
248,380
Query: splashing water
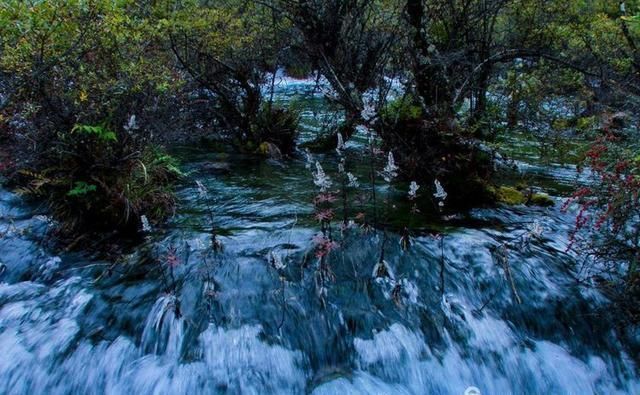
73,324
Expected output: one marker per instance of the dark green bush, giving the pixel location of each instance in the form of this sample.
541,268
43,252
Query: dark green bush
94,179
402,109
277,126
428,149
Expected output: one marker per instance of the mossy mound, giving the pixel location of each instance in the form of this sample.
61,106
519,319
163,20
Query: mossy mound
510,196
516,196
541,199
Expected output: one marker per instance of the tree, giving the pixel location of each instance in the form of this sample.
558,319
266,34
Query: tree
229,49
350,42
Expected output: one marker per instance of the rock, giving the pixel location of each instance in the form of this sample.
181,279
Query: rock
217,167
541,199
270,150
510,196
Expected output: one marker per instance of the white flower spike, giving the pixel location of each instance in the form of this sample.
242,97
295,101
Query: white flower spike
321,180
413,190
390,170
353,181
146,226
440,194
340,145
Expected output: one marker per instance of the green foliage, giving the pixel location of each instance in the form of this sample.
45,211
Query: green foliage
99,132
79,62
402,109
94,182
81,188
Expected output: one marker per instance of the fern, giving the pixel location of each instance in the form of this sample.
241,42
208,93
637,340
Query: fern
81,188
37,184
98,131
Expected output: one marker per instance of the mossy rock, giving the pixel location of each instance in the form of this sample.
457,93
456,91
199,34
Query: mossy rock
586,123
510,196
269,150
560,124
541,199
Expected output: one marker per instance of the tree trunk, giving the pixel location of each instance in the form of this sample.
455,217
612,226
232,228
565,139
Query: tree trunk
431,80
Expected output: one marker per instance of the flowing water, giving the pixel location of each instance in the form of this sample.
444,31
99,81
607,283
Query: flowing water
175,317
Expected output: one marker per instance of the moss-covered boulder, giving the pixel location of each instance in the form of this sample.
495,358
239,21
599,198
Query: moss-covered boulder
510,196
541,199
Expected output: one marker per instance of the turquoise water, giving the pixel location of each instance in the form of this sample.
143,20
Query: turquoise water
254,318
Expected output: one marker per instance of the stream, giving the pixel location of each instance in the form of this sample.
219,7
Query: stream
249,320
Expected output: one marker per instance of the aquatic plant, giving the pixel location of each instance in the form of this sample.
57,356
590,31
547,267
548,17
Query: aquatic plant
146,226
390,171
440,194
204,196
320,178
413,190
323,242
167,266
352,181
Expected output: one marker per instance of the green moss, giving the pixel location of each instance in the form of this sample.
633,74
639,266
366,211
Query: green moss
510,196
560,124
541,199
586,123
491,191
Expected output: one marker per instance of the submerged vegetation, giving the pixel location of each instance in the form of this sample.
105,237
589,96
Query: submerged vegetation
418,113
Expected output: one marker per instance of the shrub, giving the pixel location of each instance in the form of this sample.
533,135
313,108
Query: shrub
403,109
428,149
96,180
607,231
277,126
79,71
228,50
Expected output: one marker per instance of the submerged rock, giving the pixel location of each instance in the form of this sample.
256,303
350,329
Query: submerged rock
217,167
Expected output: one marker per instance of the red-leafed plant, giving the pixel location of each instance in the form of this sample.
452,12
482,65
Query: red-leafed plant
607,226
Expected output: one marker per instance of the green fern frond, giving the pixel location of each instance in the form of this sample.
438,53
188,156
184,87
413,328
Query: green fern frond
98,131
